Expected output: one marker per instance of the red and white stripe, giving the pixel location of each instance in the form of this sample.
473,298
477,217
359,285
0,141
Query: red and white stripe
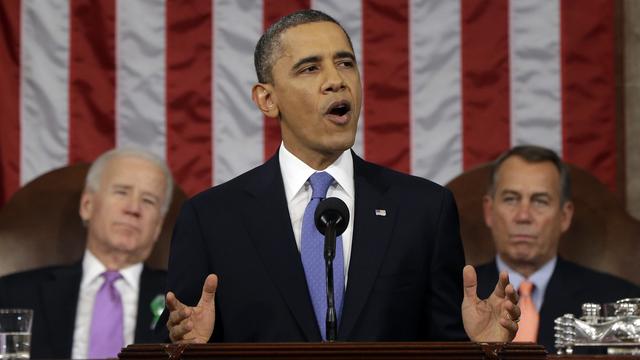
447,84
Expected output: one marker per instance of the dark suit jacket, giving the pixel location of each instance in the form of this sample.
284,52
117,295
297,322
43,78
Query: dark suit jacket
52,293
570,286
405,272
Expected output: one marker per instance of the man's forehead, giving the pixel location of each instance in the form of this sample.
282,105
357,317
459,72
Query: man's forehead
301,38
515,165
517,175
522,191
123,168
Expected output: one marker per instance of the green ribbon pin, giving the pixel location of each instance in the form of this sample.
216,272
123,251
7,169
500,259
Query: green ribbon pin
157,307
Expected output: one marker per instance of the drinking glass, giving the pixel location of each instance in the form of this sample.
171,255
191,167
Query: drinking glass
15,333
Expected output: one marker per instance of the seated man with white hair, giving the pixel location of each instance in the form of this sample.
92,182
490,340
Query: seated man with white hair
93,308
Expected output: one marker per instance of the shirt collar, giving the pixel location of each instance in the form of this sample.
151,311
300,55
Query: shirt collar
295,172
92,268
540,278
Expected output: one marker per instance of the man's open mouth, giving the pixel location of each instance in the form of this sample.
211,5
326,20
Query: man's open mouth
339,108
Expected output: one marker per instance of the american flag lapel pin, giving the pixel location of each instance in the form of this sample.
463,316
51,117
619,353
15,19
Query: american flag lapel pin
381,212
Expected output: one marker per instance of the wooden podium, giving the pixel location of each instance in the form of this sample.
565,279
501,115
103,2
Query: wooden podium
335,351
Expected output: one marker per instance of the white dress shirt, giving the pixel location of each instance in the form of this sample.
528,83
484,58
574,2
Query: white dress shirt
295,175
128,286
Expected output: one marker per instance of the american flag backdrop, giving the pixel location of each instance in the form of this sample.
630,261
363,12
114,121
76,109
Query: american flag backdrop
447,84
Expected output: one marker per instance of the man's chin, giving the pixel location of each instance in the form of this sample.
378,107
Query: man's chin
342,143
335,151
523,258
126,243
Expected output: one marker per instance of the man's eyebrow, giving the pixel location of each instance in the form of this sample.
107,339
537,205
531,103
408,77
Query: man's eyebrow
316,58
306,60
541,194
151,194
345,54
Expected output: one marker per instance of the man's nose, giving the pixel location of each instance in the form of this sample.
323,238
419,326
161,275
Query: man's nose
523,212
333,80
133,206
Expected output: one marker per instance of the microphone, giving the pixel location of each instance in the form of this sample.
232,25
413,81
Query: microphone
331,219
331,214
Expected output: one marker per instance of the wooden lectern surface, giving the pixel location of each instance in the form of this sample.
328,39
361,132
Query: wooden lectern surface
593,357
335,351
353,350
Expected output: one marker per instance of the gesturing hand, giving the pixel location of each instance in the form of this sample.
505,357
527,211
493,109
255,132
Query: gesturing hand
494,319
193,324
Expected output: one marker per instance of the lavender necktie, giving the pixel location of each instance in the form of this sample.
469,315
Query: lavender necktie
106,337
312,250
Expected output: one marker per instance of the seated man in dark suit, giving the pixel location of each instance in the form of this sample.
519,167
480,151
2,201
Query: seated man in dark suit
528,207
399,264
95,307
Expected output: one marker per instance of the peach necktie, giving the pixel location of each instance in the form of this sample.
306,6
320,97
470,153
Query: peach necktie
529,317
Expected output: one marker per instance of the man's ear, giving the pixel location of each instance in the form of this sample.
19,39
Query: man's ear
86,206
487,209
158,229
567,215
262,96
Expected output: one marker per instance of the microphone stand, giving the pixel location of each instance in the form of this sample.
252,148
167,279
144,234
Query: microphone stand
329,255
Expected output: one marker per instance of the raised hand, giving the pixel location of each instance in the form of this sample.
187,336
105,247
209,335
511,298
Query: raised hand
494,319
193,324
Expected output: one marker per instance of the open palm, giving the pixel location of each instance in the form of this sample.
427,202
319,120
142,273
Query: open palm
193,324
493,319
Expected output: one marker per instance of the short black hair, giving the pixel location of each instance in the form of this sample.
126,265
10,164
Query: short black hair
534,154
269,43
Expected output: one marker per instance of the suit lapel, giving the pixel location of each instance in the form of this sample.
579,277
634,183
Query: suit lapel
487,279
149,285
560,292
60,299
272,236
371,236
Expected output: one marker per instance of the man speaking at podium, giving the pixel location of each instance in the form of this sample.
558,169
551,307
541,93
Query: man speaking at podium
398,270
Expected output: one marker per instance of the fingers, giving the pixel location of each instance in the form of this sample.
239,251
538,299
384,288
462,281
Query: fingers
503,281
208,290
470,282
510,325
178,331
512,294
178,323
172,302
513,311
510,318
183,319
178,315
